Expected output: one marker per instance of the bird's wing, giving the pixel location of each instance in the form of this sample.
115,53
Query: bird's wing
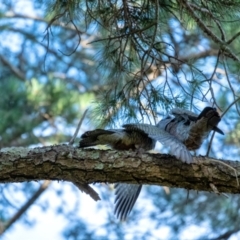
180,111
126,196
177,148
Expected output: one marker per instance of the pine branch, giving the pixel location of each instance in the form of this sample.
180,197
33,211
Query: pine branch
223,44
63,162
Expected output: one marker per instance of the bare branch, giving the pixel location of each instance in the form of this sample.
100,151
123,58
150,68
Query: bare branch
63,162
71,142
25,207
227,234
84,187
14,69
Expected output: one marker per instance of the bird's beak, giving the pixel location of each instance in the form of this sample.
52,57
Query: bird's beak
216,129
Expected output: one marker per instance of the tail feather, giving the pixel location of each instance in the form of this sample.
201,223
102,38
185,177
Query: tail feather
95,133
91,138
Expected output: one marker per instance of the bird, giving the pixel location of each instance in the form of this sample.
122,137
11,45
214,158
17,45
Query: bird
136,137
189,128
181,130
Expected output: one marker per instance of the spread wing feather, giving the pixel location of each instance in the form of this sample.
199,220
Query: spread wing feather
177,148
126,196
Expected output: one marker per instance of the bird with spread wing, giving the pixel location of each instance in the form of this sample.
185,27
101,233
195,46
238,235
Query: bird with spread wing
181,131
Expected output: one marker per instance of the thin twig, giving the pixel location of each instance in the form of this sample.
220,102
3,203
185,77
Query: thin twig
225,49
210,144
71,142
233,38
84,187
236,100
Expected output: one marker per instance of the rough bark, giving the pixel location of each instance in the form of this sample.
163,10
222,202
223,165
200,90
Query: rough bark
63,162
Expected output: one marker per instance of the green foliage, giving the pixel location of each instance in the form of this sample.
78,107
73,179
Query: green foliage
137,41
27,106
125,104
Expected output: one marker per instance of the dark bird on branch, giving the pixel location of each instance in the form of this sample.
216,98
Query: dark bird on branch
181,131
136,137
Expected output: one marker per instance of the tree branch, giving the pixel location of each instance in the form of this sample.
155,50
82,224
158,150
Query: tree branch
25,207
16,71
226,50
63,162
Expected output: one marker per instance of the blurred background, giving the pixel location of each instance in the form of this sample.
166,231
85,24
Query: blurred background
127,61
